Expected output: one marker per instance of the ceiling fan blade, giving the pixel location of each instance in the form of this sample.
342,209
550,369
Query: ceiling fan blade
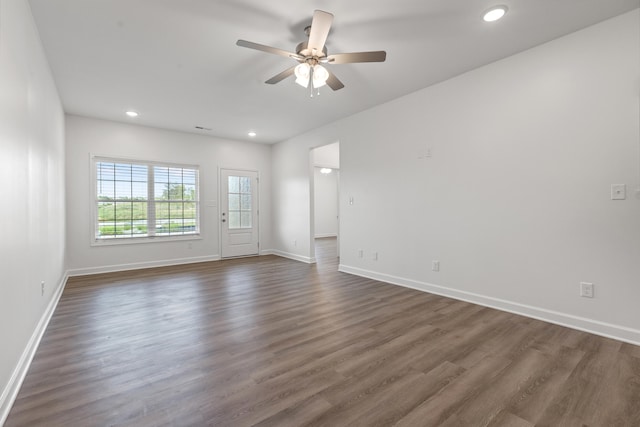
349,58
268,49
333,82
320,26
283,75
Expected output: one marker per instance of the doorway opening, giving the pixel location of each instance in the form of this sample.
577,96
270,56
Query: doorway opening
325,206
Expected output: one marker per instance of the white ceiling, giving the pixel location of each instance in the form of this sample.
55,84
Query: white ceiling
176,62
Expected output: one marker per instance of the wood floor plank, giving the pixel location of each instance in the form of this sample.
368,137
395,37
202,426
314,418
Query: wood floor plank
488,403
386,398
267,399
438,408
618,396
543,386
299,414
272,342
507,419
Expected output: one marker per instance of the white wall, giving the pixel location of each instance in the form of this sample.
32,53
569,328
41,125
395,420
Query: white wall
86,137
325,203
515,199
292,163
31,195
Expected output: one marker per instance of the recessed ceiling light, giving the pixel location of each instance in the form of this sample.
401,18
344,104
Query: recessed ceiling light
132,114
252,134
494,13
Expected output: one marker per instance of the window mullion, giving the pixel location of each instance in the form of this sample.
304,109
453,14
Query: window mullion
151,205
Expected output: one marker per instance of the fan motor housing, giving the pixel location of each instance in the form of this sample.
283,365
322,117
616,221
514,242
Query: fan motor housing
303,50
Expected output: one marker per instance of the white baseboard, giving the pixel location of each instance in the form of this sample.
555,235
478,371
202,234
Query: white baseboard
621,333
140,265
294,257
11,390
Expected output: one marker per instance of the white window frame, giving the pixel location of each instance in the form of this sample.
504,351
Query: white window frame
150,237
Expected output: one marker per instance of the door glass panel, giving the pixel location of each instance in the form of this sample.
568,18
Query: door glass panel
245,202
234,202
245,219
240,202
245,184
234,220
234,184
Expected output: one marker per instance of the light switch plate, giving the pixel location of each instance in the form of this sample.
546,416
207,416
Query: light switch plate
618,191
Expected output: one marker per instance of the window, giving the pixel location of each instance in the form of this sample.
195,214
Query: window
145,199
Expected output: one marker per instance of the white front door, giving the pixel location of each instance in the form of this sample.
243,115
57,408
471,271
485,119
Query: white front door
238,213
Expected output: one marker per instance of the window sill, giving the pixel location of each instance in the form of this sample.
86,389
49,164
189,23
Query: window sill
117,241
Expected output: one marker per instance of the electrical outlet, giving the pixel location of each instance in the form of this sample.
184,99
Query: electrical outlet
360,253
42,288
586,290
435,265
374,256
618,191
295,243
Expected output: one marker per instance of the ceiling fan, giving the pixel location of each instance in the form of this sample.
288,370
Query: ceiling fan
312,54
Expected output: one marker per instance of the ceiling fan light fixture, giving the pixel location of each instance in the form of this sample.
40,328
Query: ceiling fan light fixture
303,82
305,73
494,13
302,74
320,76
310,54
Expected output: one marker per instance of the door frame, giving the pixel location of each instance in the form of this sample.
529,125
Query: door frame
255,203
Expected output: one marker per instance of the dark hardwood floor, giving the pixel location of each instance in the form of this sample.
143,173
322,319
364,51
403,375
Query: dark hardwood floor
272,342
